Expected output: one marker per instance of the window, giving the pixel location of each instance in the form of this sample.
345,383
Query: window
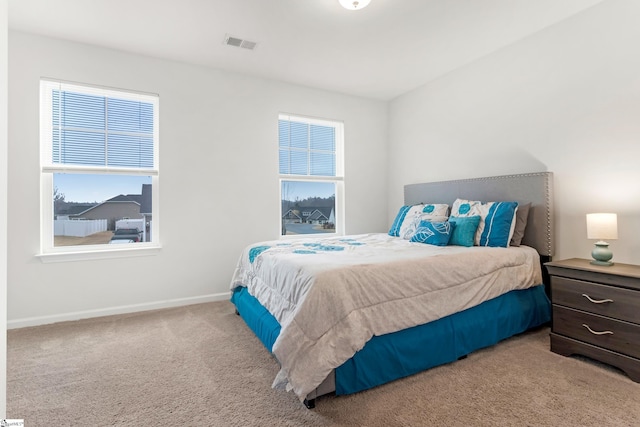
99,168
311,175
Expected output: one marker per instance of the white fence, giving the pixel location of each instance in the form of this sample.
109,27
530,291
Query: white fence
78,228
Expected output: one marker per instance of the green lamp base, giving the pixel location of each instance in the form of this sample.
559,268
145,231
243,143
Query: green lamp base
605,263
602,254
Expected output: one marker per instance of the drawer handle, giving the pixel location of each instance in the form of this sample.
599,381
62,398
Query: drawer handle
596,301
596,332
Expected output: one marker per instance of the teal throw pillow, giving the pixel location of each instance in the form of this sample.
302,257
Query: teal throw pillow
464,230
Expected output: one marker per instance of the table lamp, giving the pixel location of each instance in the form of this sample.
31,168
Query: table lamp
601,226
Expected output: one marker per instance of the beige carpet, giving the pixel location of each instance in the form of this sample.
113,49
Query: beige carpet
201,366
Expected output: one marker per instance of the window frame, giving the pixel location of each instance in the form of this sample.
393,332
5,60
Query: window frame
337,180
50,253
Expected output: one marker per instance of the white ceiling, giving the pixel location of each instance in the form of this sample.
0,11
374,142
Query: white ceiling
382,51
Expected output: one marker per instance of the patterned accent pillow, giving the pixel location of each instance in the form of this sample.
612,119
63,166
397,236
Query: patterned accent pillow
406,211
433,233
409,217
431,212
434,210
497,220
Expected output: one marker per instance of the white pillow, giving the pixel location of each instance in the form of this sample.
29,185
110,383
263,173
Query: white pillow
497,220
428,212
409,217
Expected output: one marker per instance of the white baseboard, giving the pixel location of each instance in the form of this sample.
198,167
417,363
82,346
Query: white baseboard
65,317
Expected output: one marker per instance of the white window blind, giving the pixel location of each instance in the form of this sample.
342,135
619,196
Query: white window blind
307,148
97,129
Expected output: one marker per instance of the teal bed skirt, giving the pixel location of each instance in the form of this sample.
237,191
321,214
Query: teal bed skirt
388,357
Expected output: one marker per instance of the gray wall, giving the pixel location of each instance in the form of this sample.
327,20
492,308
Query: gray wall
566,100
219,169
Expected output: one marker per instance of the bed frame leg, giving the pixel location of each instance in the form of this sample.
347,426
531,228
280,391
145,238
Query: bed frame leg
237,312
310,403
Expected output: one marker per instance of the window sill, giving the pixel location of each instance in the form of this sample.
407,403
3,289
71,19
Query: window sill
70,256
309,236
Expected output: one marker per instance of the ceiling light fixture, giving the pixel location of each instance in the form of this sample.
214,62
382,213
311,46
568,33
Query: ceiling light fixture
354,4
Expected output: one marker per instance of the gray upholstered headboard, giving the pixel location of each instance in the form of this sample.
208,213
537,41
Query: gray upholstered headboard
536,188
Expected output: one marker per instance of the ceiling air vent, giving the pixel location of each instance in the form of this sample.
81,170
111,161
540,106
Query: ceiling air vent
234,41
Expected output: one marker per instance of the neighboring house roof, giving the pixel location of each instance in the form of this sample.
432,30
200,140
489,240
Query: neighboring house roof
327,213
310,213
291,214
75,209
145,200
317,215
129,198
125,198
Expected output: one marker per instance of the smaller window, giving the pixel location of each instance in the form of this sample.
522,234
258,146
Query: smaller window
311,175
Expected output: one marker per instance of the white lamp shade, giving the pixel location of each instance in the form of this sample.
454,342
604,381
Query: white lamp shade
602,226
354,4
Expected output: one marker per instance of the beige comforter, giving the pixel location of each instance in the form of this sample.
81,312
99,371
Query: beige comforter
331,302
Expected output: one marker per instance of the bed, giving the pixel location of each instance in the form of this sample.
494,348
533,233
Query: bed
343,314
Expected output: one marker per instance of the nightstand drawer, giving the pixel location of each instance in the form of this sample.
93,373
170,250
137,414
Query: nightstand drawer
620,303
607,333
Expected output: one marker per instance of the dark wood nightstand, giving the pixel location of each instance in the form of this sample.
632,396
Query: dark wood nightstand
596,312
